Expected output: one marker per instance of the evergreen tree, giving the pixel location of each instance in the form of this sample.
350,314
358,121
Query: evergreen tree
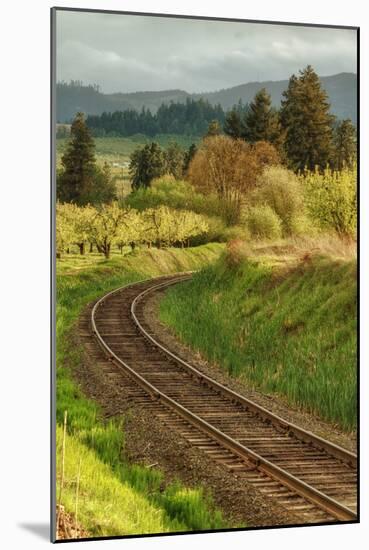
103,190
307,122
174,160
214,129
233,125
188,157
146,164
261,120
76,179
344,144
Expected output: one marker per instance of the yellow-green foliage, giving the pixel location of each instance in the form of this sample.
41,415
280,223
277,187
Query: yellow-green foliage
331,198
263,222
177,194
235,232
280,189
111,224
165,226
73,224
108,225
120,499
106,506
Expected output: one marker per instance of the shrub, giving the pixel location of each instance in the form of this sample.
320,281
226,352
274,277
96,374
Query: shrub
214,233
331,199
263,222
235,232
280,189
229,168
175,194
303,225
236,253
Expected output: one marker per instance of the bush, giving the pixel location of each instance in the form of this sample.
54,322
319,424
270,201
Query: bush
263,222
230,168
331,199
236,253
281,189
177,194
303,225
215,232
235,232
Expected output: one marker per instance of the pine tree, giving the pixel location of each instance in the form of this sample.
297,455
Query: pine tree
345,144
146,164
307,122
188,157
174,160
103,189
75,181
233,125
261,120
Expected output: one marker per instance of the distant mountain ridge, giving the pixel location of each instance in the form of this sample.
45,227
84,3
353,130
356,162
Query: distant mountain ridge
341,89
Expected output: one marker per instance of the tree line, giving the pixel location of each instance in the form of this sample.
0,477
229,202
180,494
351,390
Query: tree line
189,118
110,224
303,130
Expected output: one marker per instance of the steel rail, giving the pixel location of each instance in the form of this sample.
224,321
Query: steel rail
324,502
300,433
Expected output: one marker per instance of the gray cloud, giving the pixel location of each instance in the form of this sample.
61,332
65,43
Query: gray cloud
135,53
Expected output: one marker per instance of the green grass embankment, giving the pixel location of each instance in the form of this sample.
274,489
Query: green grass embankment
116,497
285,324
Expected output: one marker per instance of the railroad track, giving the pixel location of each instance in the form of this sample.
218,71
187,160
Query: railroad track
308,476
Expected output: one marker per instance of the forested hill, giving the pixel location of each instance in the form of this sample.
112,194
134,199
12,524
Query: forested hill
341,89
74,97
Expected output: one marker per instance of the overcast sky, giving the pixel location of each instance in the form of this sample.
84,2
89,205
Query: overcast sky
124,53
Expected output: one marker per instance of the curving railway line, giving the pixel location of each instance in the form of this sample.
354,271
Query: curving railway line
308,476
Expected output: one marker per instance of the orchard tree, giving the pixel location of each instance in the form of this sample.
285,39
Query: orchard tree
307,122
64,228
164,226
73,225
189,224
130,232
82,218
158,226
106,226
345,144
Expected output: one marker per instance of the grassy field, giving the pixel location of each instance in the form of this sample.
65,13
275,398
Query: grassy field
281,317
119,149
116,497
116,152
